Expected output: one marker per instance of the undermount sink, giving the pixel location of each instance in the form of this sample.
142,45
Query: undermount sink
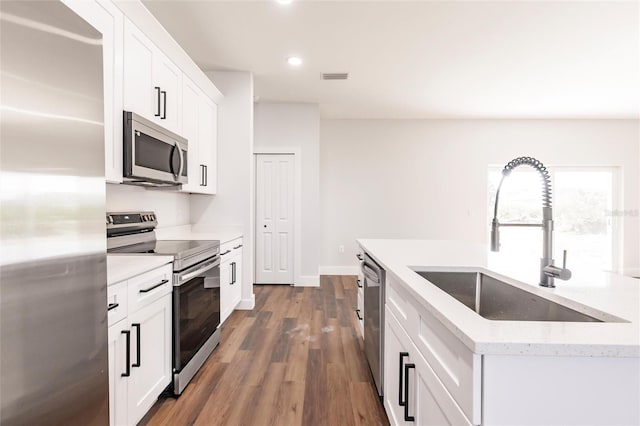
494,299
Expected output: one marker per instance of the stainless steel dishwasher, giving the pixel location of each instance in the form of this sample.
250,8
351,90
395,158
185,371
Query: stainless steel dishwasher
374,288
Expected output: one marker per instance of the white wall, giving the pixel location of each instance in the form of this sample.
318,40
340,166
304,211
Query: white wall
287,125
232,206
172,208
428,179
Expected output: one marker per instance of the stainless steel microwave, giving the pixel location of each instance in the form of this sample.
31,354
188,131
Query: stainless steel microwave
153,156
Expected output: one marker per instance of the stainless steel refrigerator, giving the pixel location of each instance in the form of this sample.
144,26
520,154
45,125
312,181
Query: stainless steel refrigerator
53,318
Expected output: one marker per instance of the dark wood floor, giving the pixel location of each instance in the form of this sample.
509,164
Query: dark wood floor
296,359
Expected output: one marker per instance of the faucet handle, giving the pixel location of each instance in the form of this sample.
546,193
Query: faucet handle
556,272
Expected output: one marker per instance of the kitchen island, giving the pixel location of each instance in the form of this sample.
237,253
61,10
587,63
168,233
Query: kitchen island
465,369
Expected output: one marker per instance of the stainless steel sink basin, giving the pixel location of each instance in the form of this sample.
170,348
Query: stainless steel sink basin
496,300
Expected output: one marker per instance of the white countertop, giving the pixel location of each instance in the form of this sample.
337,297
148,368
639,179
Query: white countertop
187,232
121,267
610,293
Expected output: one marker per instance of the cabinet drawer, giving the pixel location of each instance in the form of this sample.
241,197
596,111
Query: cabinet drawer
116,302
457,367
149,287
397,299
230,248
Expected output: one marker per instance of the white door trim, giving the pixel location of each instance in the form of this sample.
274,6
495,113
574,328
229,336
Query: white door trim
297,197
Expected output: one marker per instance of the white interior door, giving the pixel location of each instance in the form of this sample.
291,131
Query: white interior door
274,218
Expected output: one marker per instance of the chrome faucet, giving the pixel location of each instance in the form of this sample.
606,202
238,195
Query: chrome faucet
548,271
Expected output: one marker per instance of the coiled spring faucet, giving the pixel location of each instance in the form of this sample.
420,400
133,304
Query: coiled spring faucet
548,271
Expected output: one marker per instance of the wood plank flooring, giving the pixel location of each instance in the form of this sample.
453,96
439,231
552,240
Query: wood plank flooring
296,359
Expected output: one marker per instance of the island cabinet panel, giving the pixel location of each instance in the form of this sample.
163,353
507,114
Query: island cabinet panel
561,390
455,365
413,394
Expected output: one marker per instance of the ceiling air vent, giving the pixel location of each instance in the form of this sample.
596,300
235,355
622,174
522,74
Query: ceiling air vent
334,75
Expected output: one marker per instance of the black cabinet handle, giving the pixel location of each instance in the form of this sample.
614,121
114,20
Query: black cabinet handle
402,356
201,174
358,282
226,252
111,306
127,371
147,290
137,326
164,101
407,417
233,273
237,247
359,256
358,314
206,175
157,114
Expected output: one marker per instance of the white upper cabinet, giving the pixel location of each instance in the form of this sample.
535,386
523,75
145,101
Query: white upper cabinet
168,79
208,140
109,20
189,114
199,126
152,83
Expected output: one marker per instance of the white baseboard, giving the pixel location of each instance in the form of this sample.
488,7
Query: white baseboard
339,270
247,304
307,281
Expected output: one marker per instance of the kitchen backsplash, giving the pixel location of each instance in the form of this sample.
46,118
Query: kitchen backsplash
171,208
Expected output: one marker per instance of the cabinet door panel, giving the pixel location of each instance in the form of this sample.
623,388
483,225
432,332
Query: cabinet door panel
168,77
189,117
139,93
152,326
117,367
225,289
109,20
236,286
394,346
208,133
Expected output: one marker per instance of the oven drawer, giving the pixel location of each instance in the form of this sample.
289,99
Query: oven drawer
116,302
149,287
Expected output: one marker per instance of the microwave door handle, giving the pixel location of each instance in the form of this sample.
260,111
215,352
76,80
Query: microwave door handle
181,160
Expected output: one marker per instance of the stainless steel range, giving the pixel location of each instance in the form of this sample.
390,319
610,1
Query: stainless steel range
196,287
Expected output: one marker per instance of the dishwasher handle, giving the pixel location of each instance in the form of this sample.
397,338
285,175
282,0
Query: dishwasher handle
370,273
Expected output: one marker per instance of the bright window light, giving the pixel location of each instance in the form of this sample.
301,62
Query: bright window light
583,199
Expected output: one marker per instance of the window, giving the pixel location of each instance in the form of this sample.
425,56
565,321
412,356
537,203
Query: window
582,200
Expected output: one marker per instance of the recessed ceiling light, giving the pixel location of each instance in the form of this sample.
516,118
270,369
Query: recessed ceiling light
294,61
284,1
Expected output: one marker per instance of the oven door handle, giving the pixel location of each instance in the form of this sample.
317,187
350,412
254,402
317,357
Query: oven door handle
186,277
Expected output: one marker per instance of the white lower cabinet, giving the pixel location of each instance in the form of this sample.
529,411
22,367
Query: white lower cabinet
119,372
140,345
413,394
151,366
360,284
360,308
230,277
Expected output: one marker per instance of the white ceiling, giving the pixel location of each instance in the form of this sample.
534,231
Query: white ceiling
424,59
